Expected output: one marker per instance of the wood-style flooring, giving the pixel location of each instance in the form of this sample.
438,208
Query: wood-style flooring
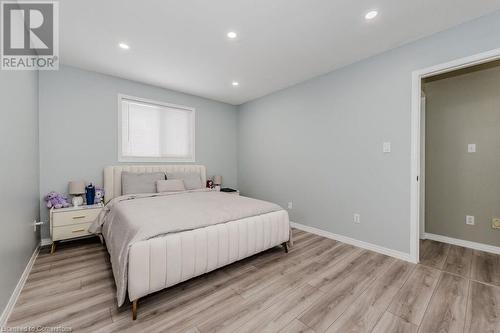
320,286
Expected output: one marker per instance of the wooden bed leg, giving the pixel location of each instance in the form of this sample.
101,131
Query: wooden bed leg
285,245
134,310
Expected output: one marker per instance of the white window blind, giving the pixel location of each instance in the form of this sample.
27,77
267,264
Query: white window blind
155,131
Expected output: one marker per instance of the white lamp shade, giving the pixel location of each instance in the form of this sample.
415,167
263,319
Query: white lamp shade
217,180
76,187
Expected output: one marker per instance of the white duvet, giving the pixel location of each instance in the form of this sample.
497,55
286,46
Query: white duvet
128,219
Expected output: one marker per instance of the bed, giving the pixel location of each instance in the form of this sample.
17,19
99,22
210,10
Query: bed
153,246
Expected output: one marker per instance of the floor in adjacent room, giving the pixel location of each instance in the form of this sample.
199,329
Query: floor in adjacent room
320,285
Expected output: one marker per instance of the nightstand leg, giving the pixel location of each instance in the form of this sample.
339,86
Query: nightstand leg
53,248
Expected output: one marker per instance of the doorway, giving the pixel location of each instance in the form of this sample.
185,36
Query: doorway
417,206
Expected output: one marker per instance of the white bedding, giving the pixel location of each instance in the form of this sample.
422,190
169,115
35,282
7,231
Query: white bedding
128,220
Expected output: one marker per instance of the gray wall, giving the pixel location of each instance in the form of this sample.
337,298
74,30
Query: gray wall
18,176
461,110
78,128
319,143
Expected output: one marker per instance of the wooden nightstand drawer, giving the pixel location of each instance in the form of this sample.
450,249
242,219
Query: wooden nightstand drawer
71,231
78,216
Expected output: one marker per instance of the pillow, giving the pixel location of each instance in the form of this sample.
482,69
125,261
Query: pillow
192,181
170,185
134,183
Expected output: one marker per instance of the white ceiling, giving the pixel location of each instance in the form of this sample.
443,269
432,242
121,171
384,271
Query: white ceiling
182,44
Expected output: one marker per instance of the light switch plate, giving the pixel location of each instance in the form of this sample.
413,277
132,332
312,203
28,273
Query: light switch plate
471,147
469,219
495,223
386,147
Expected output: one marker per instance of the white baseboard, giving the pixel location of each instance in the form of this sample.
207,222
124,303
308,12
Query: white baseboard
344,239
45,241
20,284
463,243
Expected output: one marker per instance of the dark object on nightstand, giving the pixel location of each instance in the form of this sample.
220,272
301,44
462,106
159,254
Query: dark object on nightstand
90,194
227,189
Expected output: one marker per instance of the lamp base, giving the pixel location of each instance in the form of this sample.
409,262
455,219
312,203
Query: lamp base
77,201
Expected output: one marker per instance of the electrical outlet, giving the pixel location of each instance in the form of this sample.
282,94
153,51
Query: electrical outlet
495,223
290,205
469,220
386,147
356,218
471,147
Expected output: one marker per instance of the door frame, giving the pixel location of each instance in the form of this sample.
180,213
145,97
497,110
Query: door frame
417,77
421,211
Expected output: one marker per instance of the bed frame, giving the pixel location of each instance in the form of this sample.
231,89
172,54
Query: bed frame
165,261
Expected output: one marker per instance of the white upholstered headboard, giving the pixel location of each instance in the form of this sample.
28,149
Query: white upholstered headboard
113,175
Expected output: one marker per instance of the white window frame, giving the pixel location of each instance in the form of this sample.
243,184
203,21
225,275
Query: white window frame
122,158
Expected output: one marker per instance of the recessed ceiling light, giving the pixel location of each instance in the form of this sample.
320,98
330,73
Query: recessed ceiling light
124,46
371,15
232,35
235,83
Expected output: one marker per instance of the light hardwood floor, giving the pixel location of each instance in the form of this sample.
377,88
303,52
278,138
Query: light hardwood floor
320,286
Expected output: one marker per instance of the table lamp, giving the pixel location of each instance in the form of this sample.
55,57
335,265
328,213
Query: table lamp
217,182
77,188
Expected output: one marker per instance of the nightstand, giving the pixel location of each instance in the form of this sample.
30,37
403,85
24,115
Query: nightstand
72,222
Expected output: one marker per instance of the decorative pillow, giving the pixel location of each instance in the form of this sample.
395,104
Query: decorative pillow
192,181
134,183
170,185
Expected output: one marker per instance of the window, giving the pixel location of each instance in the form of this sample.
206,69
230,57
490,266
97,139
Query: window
151,131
